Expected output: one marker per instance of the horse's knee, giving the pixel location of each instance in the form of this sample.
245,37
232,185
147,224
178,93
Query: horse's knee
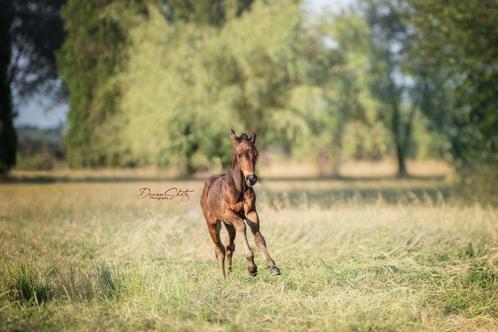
230,248
219,251
259,239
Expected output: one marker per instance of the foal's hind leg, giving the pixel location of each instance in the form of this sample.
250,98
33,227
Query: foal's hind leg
231,245
214,228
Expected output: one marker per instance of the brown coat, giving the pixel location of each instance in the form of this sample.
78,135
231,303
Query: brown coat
230,198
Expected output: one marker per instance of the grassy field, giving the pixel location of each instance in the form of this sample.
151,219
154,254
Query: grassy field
375,254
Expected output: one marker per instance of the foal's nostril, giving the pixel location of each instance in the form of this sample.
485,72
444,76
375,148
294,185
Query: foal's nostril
251,179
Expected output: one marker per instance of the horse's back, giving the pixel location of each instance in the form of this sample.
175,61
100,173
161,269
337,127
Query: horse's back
210,180
208,185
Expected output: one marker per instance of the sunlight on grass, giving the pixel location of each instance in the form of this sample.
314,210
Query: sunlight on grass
78,256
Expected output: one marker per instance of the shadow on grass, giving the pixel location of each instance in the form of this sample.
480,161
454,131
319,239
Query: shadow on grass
92,179
354,178
326,197
41,179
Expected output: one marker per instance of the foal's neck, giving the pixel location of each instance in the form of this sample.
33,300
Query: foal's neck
238,177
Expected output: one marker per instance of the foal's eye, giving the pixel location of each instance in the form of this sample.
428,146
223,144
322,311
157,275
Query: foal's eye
239,155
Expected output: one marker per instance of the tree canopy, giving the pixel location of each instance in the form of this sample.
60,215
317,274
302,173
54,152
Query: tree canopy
161,81
456,56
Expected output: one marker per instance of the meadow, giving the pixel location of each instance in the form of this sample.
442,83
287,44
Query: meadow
359,255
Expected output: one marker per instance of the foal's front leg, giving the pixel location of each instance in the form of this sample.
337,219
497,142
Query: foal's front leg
253,222
240,227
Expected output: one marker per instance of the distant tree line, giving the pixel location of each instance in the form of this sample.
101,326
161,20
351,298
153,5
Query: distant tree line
161,81
39,149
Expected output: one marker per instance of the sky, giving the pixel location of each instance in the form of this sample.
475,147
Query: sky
37,112
40,112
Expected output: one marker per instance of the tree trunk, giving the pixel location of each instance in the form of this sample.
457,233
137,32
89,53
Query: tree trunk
8,138
401,134
401,160
398,141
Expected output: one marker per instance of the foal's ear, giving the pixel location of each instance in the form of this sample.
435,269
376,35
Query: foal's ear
252,137
234,138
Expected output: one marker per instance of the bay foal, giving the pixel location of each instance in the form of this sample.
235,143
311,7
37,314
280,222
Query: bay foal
229,198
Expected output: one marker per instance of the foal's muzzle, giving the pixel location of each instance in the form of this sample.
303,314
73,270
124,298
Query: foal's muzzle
251,179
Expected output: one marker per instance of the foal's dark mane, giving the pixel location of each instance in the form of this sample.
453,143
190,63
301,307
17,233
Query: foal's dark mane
234,160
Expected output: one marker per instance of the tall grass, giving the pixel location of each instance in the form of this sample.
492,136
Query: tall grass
91,256
27,283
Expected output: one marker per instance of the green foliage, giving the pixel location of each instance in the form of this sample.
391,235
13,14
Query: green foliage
348,123
185,74
39,149
455,56
214,13
161,82
92,54
37,33
390,82
30,32
184,86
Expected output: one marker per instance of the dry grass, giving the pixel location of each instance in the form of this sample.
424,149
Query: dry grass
361,255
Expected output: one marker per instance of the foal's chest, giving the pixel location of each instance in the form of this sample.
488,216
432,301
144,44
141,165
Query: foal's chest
243,203
237,206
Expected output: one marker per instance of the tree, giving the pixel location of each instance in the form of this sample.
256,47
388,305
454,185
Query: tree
37,33
391,83
348,125
92,54
8,138
31,31
205,81
212,13
455,54
97,50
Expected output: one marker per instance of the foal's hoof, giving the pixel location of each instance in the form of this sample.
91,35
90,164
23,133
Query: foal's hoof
252,272
275,271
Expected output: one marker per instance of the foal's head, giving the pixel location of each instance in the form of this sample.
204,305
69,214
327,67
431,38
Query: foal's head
245,155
